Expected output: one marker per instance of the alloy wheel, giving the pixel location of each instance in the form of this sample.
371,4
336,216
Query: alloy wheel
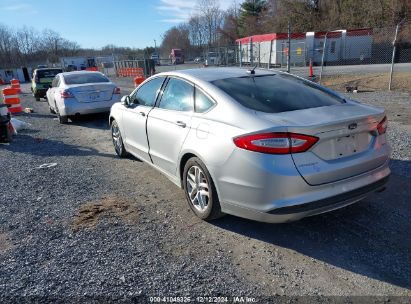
198,188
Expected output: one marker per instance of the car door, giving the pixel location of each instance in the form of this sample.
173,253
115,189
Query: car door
169,123
135,117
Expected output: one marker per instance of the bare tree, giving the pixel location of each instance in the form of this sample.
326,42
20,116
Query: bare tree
212,17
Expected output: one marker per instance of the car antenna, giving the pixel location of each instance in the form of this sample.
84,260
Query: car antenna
252,72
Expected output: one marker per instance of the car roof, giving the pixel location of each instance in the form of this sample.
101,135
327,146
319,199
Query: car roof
212,74
47,69
80,72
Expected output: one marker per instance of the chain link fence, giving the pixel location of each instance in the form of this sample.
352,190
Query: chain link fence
355,59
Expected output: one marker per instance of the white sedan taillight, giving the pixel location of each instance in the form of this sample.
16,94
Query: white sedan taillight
276,143
66,94
382,126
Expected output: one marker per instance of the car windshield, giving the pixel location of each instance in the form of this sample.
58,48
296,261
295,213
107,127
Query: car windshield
48,73
277,93
85,78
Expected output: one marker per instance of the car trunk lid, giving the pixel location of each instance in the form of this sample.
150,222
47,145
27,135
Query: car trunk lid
92,92
347,140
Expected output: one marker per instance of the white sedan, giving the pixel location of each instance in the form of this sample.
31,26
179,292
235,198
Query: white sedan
82,92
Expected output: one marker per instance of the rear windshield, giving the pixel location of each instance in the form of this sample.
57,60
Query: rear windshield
85,78
48,73
276,93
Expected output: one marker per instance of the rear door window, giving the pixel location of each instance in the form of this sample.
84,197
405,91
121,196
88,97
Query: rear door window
178,96
82,78
276,93
202,102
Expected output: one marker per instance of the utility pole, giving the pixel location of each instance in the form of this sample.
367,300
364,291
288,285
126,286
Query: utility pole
323,56
397,28
289,47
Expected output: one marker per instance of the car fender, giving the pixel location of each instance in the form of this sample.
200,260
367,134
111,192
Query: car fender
116,113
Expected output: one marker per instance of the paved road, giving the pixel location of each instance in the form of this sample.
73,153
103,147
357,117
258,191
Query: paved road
328,70
96,226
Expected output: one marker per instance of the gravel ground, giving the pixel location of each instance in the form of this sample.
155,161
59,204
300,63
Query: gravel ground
97,228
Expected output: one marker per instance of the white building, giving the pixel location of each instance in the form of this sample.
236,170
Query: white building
77,63
8,74
342,46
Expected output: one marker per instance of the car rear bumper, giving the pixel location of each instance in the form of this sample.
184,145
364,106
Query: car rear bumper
297,212
72,107
269,188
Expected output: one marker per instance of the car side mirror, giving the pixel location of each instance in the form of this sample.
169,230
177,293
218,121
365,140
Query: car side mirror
125,100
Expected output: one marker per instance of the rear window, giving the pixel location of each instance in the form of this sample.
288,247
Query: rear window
48,73
276,93
85,78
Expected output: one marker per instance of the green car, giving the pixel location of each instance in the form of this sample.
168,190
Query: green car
41,81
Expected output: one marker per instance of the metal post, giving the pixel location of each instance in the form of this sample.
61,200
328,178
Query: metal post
241,54
397,28
289,48
269,57
251,51
323,56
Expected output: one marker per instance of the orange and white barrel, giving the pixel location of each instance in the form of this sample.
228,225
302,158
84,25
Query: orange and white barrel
15,84
11,97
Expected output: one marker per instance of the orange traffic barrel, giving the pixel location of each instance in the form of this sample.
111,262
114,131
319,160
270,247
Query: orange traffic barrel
138,80
15,84
11,97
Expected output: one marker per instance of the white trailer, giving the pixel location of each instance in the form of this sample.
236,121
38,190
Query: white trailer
342,46
272,49
357,45
77,63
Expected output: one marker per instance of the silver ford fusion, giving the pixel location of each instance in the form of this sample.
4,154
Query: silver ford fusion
263,145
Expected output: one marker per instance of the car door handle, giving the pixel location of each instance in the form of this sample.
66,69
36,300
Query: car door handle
181,124
142,113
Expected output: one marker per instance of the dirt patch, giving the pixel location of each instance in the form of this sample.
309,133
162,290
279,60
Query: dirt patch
112,208
4,242
369,82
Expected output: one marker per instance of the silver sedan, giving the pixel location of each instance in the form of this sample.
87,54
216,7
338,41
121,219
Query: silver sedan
83,92
263,145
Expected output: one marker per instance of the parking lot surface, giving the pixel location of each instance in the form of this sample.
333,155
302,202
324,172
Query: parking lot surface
93,225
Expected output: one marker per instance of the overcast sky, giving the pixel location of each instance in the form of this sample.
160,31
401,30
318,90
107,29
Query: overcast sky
95,23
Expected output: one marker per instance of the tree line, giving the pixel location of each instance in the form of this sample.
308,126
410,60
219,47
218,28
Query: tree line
210,26
27,46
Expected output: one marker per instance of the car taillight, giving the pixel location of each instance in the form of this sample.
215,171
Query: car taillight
66,94
382,126
276,143
116,90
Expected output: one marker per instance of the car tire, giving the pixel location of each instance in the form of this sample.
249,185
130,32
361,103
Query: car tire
62,119
117,140
37,98
200,191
